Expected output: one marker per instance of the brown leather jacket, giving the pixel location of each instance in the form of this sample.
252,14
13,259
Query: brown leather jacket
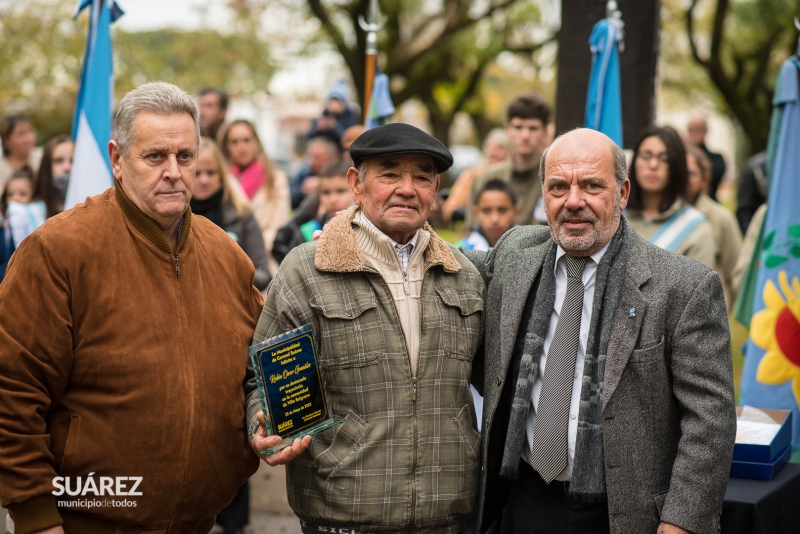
119,358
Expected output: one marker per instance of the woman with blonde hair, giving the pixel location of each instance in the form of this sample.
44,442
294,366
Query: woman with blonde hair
265,185
214,198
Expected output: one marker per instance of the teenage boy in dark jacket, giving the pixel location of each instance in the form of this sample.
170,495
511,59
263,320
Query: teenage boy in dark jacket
334,196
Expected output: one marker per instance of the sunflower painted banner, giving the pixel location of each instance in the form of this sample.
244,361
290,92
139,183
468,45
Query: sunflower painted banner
771,376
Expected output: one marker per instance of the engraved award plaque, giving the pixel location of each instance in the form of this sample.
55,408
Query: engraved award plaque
290,386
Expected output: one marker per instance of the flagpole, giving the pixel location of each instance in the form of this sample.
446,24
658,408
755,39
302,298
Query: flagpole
374,23
615,15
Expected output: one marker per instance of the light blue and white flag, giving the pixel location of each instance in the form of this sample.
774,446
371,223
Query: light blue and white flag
604,97
380,104
91,126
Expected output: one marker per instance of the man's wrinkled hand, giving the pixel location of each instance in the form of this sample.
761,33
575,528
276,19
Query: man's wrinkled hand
262,442
52,530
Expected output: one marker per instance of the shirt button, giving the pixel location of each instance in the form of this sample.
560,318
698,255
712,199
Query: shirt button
576,374
572,416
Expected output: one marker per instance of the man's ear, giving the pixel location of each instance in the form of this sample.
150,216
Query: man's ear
624,194
356,186
115,155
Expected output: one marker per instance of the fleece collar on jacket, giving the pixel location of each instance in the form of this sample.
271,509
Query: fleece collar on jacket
147,226
338,251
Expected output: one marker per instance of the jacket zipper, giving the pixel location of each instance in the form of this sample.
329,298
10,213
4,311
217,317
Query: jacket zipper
413,386
414,457
191,380
413,403
407,290
414,415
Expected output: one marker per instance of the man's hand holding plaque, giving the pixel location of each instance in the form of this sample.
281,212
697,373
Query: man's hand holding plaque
291,392
263,441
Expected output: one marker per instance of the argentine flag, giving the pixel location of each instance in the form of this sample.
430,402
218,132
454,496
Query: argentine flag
91,127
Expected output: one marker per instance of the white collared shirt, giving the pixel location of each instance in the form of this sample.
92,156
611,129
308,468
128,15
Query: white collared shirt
588,278
403,252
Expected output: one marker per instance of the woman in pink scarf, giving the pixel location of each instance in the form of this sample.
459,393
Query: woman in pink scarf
266,187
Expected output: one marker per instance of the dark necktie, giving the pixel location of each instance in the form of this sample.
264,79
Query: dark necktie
549,448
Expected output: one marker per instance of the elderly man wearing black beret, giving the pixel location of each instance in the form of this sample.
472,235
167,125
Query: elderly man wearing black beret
396,314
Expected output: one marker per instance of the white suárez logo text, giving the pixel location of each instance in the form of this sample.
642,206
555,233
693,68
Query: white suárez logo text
85,486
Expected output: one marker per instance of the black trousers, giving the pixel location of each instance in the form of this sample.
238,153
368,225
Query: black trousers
535,507
236,515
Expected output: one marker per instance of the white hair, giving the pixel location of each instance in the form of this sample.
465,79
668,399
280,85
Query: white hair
161,98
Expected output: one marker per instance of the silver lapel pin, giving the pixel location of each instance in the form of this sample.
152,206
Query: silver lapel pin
632,312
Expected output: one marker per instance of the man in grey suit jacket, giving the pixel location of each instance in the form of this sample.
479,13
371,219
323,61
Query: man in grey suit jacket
646,434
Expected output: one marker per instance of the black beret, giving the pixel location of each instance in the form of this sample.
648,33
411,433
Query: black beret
399,138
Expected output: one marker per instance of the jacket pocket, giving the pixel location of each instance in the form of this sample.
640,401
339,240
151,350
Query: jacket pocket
461,321
347,438
457,474
468,432
64,429
649,354
351,333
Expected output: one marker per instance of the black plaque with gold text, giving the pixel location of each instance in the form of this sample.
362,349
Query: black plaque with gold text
290,386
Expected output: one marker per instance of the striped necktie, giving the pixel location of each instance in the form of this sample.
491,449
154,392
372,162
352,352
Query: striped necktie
549,447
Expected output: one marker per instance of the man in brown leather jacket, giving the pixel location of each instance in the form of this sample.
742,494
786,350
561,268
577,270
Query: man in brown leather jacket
124,328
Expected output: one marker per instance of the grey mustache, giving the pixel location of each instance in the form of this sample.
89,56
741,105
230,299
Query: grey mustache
584,215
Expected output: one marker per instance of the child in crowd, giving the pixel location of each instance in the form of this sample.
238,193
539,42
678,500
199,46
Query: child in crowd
334,196
494,212
19,188
19,216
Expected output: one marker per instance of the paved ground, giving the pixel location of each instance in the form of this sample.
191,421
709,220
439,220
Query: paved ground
269,509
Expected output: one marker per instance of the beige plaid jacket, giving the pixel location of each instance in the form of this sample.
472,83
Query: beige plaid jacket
406,457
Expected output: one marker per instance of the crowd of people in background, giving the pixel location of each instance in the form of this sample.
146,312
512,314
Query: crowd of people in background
674,183
240,189
673,191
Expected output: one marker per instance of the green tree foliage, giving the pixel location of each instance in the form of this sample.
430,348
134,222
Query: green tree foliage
436,52
41,62
43,51
192,59
740,45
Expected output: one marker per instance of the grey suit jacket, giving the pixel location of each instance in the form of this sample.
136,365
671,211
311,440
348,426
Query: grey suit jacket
668,398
